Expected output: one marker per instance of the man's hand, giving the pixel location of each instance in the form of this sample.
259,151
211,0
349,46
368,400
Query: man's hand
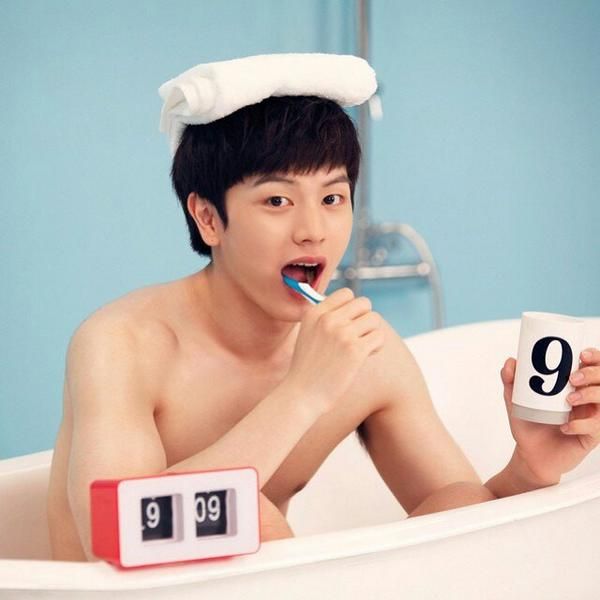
548,451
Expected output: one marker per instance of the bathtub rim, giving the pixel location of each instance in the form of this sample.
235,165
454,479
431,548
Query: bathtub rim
21,574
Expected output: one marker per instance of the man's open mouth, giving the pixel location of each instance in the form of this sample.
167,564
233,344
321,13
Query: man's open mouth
307,269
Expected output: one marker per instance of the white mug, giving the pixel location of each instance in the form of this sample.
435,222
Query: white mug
549,349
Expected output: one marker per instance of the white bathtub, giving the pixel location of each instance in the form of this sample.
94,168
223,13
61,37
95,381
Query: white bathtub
353,540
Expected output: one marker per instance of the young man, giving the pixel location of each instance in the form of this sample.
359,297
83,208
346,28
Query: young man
229,367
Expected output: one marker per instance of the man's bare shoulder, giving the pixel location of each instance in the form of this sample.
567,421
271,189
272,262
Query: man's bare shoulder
134,330
394,363
144,313
396,347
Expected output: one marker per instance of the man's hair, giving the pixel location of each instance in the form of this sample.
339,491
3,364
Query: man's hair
281,134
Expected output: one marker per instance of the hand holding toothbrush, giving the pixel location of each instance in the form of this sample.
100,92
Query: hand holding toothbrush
336,336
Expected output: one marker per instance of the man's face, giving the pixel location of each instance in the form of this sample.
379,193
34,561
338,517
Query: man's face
276,219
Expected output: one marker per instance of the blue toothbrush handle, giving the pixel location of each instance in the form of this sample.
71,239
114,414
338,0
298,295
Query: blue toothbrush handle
303,288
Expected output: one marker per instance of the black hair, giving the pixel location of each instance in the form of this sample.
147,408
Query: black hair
281,134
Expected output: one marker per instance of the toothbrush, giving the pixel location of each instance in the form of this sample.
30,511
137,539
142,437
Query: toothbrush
304,289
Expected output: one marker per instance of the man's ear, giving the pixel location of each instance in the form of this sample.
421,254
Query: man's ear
206,217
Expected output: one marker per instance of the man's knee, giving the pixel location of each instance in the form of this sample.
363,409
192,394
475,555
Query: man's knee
454,495
471,492
273,525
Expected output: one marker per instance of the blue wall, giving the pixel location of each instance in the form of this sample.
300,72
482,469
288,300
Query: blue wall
489,147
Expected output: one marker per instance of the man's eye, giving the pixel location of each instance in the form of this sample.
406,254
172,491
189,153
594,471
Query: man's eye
333,196
276,198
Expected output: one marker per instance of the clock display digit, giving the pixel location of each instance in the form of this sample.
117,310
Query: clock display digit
157,518
211,513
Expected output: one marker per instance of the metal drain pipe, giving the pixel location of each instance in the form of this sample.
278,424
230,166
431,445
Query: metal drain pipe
369,265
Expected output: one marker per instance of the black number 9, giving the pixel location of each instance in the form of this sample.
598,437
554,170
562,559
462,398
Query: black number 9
538,360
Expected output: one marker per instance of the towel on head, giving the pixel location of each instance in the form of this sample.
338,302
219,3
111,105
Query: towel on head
210,91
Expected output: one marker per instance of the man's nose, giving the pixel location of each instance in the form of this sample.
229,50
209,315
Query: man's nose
309,225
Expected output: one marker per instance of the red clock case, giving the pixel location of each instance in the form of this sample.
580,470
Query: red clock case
104,509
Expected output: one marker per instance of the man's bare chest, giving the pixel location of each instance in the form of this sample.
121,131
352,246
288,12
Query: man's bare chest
199,403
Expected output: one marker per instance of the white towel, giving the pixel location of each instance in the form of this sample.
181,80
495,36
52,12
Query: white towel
211,91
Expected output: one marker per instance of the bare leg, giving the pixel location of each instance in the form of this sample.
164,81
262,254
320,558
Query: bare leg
455,495
273,525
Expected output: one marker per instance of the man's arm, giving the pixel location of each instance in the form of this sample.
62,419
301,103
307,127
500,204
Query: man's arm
407,441
515,478
115,435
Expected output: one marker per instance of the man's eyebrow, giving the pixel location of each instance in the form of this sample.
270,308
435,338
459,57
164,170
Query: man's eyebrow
280,178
